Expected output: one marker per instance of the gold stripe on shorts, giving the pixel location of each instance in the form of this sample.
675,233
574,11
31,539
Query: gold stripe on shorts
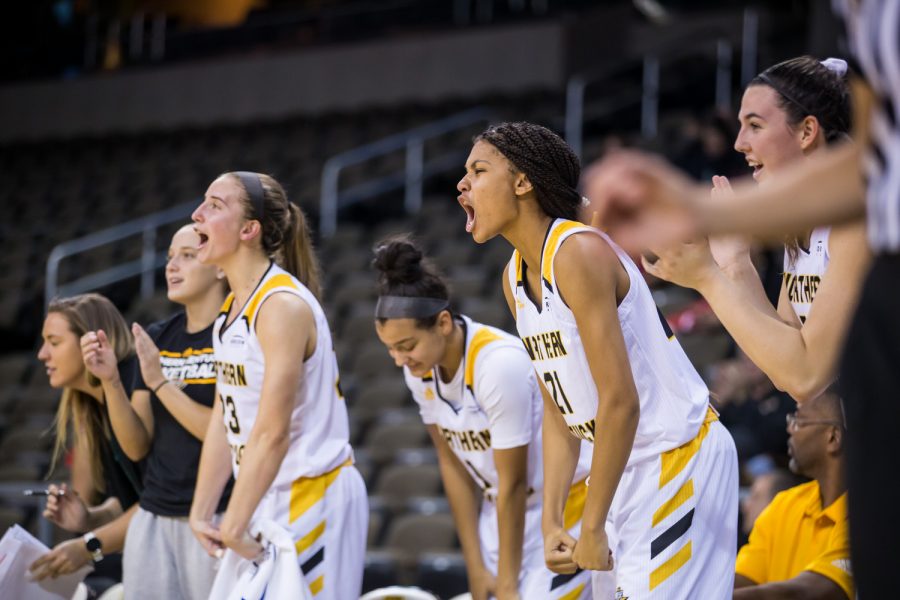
310,538
668,568
316,586
575,504
306,491
674,461
681,496
576,593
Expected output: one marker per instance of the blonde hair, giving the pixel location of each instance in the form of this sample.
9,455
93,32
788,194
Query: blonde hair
286,237
83,313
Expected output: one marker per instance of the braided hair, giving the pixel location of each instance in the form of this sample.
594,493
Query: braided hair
547,161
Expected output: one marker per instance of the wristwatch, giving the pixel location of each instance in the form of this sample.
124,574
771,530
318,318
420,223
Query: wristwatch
93,546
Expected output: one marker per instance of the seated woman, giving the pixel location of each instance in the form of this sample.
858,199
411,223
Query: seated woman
105,483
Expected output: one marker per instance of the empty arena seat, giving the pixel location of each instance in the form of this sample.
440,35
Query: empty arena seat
443,573
384,392
427,505
384,439
382,569
397,483
373,360
412,534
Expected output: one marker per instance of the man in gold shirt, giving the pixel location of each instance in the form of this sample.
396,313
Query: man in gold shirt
799,546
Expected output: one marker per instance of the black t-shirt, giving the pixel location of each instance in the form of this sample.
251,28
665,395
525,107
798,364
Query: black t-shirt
121,474
174,457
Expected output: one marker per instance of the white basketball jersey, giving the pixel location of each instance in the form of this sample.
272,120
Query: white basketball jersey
492,403
803,276
673,398
319,432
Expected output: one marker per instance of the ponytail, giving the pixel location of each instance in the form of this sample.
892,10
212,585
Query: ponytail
285,232
298,255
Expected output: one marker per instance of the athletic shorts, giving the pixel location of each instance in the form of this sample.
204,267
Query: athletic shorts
672,525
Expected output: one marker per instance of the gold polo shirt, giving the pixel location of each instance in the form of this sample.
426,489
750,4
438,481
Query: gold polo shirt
795,534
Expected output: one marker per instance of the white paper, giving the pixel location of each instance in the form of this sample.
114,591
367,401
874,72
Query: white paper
18,549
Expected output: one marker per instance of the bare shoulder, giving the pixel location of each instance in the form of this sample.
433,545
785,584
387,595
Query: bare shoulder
282,315
585,262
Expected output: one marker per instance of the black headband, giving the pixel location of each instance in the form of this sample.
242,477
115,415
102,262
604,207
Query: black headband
777,88
253,184
408,307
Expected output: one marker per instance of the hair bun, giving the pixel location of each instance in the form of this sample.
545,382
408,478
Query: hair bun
399,260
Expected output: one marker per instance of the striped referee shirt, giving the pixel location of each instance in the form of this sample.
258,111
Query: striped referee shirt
873,38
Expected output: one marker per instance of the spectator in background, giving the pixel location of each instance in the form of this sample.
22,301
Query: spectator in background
750,407
799,546
105,483
764,489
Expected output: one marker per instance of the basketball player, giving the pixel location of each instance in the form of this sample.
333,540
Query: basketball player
662,499
164,424
279,396
790,112
477,394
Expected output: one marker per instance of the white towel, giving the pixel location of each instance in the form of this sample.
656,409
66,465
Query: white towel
276,575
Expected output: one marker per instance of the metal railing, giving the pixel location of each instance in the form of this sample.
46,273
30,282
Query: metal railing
651,66
416,168
145,266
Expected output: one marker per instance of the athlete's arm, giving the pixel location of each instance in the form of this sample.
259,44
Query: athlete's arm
587,272
805,586
462,494
505,389
784,309
191,415
799,361
512,472
212,476
132,425
561,450
267,445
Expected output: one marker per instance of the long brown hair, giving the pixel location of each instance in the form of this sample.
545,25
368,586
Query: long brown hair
83,313
286,237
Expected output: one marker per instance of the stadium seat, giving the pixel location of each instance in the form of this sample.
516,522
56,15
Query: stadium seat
381,569
411,535
385,439
396,483
384,392
443,573
427,505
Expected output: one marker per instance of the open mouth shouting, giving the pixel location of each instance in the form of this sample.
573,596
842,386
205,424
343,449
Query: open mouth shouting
470,213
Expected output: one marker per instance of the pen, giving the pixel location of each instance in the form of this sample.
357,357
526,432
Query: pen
43,493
